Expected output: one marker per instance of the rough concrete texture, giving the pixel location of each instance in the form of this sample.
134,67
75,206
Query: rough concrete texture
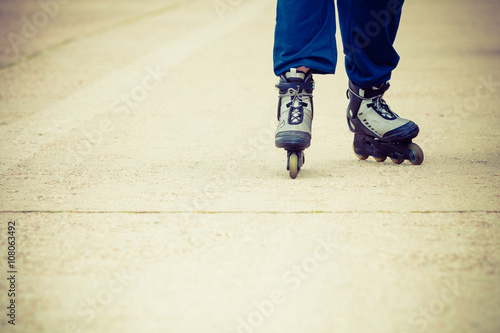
137,159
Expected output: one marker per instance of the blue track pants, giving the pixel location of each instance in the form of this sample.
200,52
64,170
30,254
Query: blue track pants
305,36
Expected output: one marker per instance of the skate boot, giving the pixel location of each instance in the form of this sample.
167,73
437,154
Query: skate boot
378,131
295,113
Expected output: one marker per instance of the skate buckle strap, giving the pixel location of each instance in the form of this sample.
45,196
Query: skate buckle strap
295,95
295,85
368,93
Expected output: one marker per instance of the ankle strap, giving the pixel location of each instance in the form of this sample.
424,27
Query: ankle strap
368,93
295,85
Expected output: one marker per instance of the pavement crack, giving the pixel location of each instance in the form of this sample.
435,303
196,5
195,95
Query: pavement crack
245,212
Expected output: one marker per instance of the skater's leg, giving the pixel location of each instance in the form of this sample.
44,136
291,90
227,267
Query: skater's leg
303,69
368,29
305,36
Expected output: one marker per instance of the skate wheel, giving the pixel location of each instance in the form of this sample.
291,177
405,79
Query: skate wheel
379,159
397,160
361,157
293,165
417,155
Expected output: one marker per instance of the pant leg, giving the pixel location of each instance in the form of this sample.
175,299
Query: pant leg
368,29
305,36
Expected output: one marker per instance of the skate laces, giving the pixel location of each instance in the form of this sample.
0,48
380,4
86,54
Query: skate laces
380,106
296,104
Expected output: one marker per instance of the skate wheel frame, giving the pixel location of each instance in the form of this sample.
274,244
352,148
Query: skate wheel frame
295,160
365,146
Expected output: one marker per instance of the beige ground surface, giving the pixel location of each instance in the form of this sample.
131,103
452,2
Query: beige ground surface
137,159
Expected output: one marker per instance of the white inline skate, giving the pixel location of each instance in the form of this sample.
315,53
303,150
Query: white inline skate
378,131
295,114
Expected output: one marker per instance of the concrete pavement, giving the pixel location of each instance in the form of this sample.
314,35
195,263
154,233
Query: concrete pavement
139,165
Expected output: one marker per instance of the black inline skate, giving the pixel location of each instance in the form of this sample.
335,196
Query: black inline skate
295,113
378,131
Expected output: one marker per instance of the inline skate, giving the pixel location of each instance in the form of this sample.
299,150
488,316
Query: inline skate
295,113
378,131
